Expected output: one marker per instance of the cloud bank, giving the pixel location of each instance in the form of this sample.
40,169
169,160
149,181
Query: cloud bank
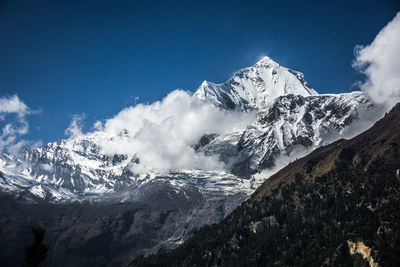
162,134
380,62
15,127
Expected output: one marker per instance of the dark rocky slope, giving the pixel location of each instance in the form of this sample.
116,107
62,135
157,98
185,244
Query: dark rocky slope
341,198
106,233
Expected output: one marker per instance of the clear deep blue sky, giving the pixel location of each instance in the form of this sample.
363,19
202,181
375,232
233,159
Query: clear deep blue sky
95,57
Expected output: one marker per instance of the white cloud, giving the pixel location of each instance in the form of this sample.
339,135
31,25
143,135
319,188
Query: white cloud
380,62
13,105
15,127
76,125
98,125
162,134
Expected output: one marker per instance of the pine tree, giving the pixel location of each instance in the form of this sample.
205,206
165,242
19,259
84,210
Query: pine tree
36,252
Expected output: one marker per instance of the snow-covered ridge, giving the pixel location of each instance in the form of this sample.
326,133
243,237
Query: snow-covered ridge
255,87
291,127
289,118
79,169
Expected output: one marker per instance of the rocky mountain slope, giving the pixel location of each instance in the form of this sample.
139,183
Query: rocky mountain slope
338,206
292,126
290,120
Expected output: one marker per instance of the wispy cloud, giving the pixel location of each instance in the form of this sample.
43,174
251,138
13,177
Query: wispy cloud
76,125
14,127
380,62
13,105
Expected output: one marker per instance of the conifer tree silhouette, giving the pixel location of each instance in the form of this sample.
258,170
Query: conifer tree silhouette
36,252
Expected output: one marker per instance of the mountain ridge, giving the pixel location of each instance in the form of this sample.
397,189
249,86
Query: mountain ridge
77,168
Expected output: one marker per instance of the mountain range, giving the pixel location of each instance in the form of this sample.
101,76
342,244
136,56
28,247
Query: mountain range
84,195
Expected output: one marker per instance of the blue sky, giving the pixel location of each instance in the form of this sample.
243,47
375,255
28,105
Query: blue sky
95,57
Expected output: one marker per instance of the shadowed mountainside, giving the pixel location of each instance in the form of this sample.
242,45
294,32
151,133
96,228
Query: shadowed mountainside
338,206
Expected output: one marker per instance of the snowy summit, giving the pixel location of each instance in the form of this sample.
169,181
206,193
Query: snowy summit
255,87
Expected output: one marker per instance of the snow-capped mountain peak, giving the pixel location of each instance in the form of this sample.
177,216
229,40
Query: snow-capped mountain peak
265,60
255,87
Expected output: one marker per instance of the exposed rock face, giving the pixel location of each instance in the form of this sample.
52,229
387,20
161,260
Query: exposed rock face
361,248
290,127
